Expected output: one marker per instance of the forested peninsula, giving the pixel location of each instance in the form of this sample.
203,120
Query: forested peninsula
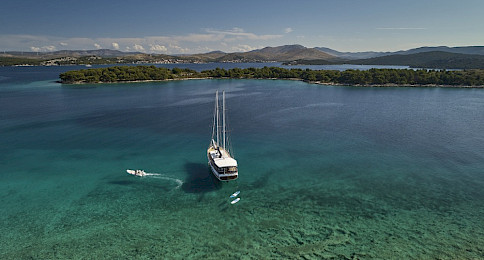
372,77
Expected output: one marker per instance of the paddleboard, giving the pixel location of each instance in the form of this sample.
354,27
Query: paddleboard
235,194
235,201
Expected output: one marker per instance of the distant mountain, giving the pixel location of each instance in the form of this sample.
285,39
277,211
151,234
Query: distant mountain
207,57
281,49
431,59
293,52
353,55
216,52
424,57
280,53
477,50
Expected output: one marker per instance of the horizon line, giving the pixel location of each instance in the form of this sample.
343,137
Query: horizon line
141,52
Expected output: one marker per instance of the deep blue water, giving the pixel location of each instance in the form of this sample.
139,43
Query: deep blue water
325,171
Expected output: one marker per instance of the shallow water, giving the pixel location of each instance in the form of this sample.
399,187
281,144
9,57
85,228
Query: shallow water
325,172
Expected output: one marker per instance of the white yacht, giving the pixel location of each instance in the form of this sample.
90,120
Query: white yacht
221,162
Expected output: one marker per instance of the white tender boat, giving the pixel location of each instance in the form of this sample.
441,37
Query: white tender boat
223,166
139,173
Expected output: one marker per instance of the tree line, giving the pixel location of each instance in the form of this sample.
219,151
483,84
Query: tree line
124,73
347,77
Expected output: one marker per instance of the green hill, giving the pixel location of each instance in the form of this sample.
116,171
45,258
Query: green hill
280,53
431,60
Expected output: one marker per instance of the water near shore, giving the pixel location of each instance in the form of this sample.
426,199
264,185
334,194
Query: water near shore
325,171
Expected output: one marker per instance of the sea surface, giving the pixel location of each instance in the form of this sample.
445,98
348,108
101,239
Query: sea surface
324,171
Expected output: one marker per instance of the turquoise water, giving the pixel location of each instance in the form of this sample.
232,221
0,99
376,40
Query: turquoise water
325,172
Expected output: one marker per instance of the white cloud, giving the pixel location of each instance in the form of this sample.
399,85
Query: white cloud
138,47
240,34
400,28
288,30
209,39
44,48
178,49
158,48
236,30
243,48
201,49
80,43
50,48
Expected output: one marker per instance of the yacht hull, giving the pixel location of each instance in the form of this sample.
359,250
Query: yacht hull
221,176
217,172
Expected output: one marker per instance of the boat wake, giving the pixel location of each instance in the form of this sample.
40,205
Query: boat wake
143,174
178,182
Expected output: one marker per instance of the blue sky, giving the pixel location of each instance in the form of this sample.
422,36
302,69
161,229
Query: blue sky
156,26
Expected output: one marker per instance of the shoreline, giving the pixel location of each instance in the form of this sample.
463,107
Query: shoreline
128,81
395,85
390,85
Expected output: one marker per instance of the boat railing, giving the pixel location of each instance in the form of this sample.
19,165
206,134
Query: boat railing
230,170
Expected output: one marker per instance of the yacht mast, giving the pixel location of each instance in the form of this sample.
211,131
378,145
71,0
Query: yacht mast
223,117
217,116
214,124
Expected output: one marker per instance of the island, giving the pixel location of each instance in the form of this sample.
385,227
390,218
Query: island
371,77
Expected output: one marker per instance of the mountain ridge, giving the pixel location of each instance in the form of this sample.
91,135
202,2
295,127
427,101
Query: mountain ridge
475,50
424,57
429,59
279,53
266,51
